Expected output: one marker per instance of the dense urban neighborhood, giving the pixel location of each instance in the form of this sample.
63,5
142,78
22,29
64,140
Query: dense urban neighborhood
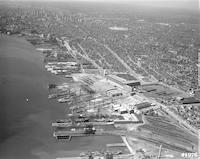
133,73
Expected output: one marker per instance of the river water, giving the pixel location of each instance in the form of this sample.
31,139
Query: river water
26,131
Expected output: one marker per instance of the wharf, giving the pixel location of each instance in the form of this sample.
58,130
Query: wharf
127,122
87,106
72,158
79,133
82,124
123,156
61,124
116,145
154,140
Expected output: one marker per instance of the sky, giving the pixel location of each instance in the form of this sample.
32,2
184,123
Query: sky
167,3
121,0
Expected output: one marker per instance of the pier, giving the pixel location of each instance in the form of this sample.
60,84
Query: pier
123,156
116,145
83,124
79,133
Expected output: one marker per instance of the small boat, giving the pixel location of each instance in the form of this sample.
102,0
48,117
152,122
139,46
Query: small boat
61,125
83,154
64,100
63,121
51,96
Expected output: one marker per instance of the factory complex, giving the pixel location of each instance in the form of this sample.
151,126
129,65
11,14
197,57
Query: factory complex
103,103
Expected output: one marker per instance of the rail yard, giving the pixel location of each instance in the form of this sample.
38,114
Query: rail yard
124,82
108,104
119,104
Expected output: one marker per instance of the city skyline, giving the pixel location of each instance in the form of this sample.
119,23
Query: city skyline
96,78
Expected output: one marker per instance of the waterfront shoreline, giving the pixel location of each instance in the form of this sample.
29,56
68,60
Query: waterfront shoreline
32,122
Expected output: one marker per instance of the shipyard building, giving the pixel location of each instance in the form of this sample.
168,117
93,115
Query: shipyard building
125,80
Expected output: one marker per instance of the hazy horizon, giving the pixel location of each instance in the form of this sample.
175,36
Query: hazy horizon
155,3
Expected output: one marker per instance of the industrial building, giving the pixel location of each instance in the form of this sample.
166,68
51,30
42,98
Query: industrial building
100,84
189,100
149,89
91,71
124,79
142,105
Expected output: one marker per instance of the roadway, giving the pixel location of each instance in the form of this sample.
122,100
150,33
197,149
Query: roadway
87,58
178,105
193,130
123,63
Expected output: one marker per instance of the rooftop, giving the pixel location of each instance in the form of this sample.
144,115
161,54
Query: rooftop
123,78
126,76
